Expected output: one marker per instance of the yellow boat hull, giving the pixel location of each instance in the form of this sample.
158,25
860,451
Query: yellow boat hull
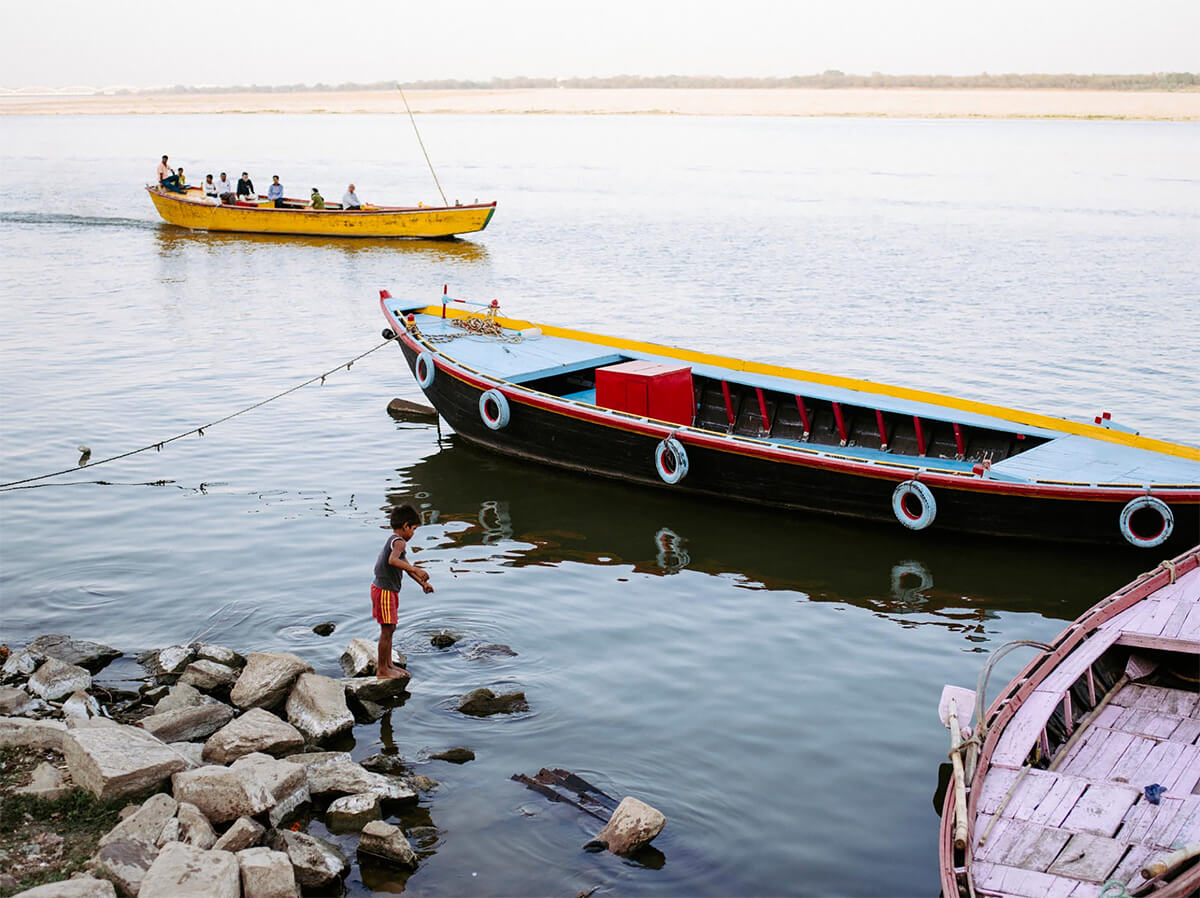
192,210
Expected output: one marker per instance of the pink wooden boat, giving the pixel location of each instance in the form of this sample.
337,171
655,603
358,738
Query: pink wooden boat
1083,778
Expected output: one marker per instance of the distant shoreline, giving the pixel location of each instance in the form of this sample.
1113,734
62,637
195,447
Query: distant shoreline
1003,103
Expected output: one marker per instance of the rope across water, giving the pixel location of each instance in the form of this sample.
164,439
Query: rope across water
197,431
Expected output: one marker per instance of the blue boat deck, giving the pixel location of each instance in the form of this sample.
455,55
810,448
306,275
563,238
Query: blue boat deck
1065,457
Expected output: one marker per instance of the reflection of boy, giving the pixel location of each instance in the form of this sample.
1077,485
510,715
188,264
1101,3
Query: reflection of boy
390,567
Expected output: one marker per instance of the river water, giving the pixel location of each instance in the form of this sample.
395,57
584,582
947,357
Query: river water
768,681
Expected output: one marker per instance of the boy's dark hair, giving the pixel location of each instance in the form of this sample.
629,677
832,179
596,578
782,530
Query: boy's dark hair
405,514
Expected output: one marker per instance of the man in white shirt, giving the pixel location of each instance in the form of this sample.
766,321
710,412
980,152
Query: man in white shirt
210,189
225,190
350,199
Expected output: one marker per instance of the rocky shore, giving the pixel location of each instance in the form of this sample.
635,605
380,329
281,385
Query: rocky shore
207,779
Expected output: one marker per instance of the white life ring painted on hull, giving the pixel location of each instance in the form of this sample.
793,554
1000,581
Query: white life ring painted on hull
1152,506
425,370
493,409
913,505
670,460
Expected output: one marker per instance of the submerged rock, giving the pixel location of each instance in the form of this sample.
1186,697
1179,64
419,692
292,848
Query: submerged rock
484,702
386,842
455,755
442,640
325,628
632,825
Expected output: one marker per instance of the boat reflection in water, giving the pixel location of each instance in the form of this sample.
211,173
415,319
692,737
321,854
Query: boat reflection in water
556,516
445,249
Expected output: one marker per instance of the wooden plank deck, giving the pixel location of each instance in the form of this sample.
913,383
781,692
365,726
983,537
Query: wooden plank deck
1066,832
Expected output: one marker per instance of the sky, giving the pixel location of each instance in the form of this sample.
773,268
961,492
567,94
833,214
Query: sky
132,43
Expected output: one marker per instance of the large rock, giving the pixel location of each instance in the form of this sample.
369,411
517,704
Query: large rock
181,695
187,724
266,679
182,871
374,689
632,825
255,731
209,676
20,732
336,777
484,702
92,656
47,783
244,833
360,658
267,874
84,887
194,828
81,705
14,702
220,794
55,680
206,651
350,813
146,823
318,864
167,662
317,707
111,761
126,862
386,842
19,665
287,783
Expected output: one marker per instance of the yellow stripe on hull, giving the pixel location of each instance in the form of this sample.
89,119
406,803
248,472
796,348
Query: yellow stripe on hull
197,214
1030,419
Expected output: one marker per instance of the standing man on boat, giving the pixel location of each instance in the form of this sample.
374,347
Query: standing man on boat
245,188
350,199
275,192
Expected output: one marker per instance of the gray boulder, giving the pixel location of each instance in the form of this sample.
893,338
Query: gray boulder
336,777
181,695
112,760
83,887
374,689
55,680
92,656
183,871
13,701
632,825
317,707
194,828
209,676
350,813
484,702
220,794
287,783
267,874
318,864
360,658
266,679
187,724
255,731
387,843
146,822
206,651
20,732
82,706
243,833
167,662
20,664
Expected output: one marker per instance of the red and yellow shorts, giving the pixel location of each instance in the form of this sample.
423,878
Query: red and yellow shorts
384,603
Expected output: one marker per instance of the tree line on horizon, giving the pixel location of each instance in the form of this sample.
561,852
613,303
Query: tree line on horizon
830,78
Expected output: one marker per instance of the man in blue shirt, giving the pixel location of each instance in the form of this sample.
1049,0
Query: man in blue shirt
275,192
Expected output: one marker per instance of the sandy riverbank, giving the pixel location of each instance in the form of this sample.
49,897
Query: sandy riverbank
894,103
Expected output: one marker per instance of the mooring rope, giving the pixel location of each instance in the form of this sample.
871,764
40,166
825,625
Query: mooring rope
198,431
445,202
474,327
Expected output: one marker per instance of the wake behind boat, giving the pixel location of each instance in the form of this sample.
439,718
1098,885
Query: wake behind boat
792,439
260,216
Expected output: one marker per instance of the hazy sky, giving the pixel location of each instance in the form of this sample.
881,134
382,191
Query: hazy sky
59,43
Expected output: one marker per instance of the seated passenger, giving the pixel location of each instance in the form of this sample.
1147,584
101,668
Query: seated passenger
275,192
318,201
166,177
180,185
350,200
210,189
225,190
245,189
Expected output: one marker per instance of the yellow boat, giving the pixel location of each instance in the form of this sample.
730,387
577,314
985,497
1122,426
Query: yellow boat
193,210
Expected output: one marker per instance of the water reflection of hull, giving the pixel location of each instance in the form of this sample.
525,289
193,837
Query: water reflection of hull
774,437
561,517
446,249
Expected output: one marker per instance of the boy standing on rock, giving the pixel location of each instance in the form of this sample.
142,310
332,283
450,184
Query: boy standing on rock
385,589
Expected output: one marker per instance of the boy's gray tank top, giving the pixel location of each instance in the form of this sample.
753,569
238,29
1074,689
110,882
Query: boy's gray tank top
386,576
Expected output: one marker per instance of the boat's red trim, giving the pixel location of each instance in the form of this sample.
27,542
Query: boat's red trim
878,470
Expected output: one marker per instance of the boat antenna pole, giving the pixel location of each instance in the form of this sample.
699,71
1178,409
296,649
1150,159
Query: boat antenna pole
422,143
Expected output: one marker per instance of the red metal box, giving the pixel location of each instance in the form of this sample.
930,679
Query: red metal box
652,389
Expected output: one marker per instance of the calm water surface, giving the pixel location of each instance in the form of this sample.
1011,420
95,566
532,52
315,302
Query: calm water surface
768,681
